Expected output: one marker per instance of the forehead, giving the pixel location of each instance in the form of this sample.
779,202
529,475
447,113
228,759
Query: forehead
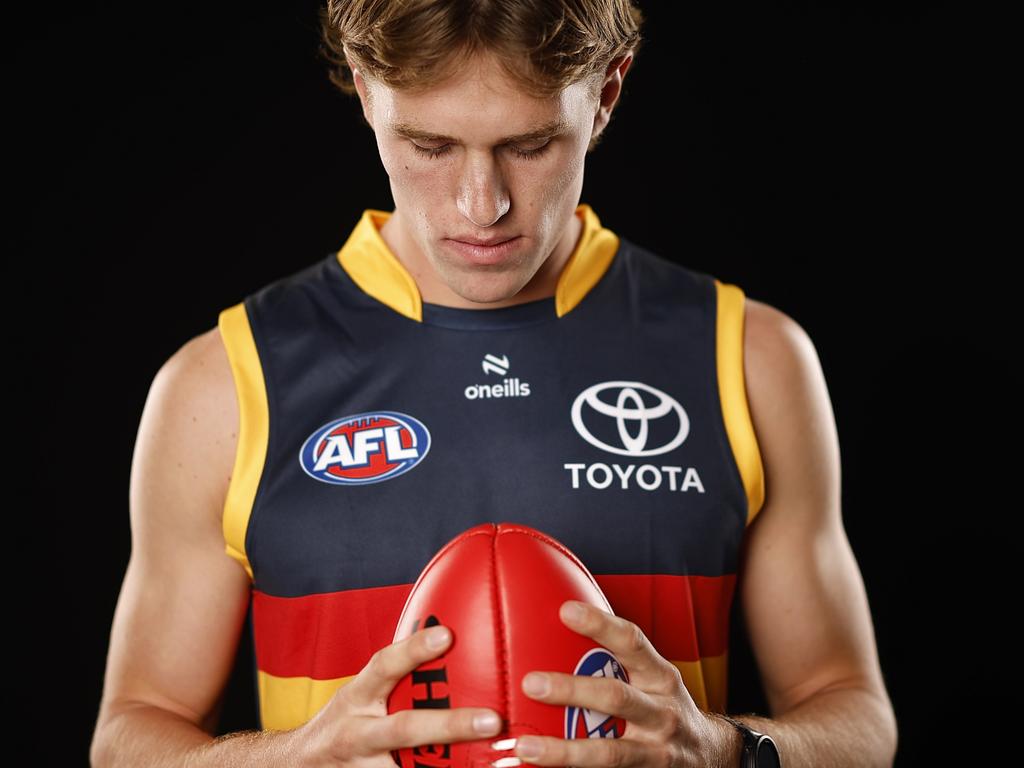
480,100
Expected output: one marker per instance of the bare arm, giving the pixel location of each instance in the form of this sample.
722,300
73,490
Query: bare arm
802,594
184,600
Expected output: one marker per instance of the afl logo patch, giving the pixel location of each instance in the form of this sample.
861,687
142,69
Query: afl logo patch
365,448
582,723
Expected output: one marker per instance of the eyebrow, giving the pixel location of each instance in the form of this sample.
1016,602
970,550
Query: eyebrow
551,128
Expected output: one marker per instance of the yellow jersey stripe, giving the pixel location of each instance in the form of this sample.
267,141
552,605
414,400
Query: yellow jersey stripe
253,426
733,393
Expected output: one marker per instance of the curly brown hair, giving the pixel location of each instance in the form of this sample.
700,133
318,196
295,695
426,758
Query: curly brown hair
543,45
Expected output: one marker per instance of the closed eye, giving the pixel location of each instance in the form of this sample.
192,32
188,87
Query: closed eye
526,154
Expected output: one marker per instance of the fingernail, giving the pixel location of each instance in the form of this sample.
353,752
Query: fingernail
573,612
486,722
536,685
437,638
528,747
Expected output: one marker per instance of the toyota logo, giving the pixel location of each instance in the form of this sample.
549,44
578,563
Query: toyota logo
627,409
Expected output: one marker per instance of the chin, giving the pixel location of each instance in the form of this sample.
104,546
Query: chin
484,296
487,291
482,286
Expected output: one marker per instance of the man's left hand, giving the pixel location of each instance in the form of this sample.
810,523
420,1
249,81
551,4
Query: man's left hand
665,728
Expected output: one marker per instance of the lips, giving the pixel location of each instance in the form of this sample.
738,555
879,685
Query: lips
477,241
485,254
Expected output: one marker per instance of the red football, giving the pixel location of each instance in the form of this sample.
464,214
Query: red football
498,587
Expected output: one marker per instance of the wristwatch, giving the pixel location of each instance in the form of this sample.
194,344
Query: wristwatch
759,749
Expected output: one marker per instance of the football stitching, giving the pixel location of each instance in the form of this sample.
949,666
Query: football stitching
433,562
499,618
555,545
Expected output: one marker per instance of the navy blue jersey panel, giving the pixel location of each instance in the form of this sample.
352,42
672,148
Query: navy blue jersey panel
511,415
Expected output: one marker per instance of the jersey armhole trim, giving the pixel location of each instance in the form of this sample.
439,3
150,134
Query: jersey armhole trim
253,429
733,393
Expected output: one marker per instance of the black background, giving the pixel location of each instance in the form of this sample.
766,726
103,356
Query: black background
171,159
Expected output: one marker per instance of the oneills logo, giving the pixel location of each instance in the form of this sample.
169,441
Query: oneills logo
508,388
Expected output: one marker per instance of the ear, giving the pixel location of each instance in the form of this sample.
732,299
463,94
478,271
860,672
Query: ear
611,89
362,88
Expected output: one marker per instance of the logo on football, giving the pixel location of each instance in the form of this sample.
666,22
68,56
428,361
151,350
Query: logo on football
582,723
365,448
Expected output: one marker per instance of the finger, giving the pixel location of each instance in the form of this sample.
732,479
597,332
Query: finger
587,753
391,663
645,666
606,695
416,727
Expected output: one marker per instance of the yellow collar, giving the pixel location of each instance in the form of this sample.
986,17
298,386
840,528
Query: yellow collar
377,271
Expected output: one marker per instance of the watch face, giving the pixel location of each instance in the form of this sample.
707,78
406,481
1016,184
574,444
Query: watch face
767,754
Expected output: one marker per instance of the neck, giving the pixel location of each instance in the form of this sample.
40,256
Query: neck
433,290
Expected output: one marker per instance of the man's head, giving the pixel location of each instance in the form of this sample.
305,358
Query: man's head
471,82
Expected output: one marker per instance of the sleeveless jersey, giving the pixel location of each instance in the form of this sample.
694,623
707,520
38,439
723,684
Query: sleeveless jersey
375,427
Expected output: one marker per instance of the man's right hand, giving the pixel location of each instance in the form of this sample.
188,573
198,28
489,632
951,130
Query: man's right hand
354,726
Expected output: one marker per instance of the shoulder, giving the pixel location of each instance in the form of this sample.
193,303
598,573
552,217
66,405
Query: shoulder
778,353
198,370
192,409
792,415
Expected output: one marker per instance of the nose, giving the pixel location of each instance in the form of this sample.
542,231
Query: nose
483,195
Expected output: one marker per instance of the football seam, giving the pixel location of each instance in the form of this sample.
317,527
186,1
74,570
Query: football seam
432,563
555,545
502,640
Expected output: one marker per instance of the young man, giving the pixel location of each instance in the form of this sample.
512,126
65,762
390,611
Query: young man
313,451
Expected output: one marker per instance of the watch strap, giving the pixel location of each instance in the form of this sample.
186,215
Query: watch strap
748,757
